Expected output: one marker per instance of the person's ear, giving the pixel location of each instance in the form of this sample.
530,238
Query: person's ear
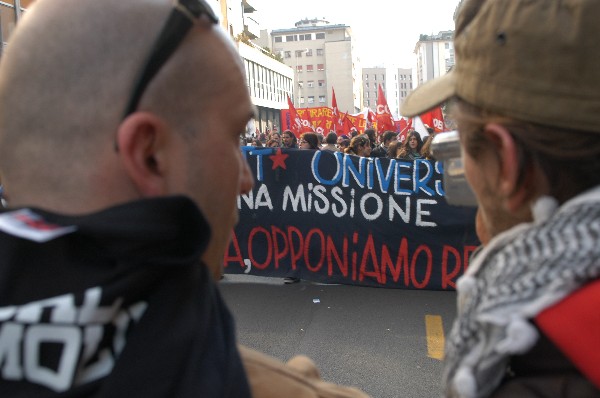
514,195
141,140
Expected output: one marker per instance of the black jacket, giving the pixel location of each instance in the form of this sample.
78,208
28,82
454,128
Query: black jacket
113,304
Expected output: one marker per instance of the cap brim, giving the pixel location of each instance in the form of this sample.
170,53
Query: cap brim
429,95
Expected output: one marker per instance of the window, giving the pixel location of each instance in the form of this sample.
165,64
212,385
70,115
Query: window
301,100
309,68
299,53
299,68
289,38
367,84
300,83
310,83
319,36
311,99
367,94
309,53
321,83
321,99
320,66
383,77
375,77
306,37
366,76
288,54
278,39
320,51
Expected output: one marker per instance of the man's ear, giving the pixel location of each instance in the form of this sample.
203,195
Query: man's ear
514,196
141,140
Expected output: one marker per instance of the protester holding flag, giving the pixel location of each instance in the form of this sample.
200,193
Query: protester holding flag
426,149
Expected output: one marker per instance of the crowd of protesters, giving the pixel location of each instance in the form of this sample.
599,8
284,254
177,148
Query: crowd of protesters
388,144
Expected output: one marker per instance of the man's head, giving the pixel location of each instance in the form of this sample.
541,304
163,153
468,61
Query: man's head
527,102
331,138
372,135
66,143
388,137
276,137
342,138
288,139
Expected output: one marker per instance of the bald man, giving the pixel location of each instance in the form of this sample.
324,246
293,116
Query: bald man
118,214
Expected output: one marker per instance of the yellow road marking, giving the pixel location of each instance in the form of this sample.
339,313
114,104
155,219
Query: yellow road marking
435,336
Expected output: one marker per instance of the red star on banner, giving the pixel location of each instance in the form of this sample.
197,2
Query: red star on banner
279,159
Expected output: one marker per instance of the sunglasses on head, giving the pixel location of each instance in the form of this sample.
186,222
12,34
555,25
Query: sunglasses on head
180,21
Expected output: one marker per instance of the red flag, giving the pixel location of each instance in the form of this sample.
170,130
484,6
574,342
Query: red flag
298,125
405,126
346,126
434,119
369,117
336,117
321,127
307,123
295,121
383,114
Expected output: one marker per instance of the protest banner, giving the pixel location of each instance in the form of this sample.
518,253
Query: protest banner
338,218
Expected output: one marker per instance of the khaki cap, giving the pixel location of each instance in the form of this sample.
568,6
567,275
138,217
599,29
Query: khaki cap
532,60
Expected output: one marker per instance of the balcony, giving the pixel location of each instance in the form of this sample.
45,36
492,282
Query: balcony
251,27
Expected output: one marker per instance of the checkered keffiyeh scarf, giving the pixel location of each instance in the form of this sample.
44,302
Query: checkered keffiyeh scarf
517,275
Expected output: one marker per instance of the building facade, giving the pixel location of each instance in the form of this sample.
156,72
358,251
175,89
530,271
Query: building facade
323,57
405,84
434,56
395,82
269,80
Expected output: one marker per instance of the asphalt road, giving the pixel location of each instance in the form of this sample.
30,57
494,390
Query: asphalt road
372,338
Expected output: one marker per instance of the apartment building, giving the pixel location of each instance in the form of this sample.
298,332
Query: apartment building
322,56
395,82
434,55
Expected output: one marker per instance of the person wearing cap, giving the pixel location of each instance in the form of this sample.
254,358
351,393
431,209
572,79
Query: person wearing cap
120,157
526,96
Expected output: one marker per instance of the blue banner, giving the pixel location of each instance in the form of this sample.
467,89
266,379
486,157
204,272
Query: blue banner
337,218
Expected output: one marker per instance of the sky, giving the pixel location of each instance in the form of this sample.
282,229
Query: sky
386,30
